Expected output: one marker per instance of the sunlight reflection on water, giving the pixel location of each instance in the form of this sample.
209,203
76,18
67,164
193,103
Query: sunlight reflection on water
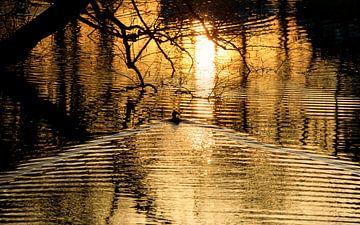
300,104
181,174
290,94
205,65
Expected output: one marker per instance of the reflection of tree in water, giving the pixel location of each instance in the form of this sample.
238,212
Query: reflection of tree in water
130,177
88,115
347,122
67,57
37,113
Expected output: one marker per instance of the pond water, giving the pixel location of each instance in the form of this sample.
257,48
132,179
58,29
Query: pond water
189,173
271,136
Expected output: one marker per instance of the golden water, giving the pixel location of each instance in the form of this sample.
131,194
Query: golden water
278,146
163,173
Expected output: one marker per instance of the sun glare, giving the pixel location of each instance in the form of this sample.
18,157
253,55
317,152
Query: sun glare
205,63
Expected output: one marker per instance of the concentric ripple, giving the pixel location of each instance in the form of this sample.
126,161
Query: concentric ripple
181,174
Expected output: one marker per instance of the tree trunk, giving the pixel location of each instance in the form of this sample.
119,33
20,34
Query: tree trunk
24,39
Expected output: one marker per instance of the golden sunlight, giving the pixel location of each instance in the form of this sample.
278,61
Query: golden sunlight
200,28
205,64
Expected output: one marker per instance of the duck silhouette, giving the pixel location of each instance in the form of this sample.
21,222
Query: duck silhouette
175,117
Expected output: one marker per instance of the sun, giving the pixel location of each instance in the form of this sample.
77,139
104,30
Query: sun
204,63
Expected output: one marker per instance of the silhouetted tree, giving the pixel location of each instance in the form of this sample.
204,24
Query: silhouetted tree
102,15
56,17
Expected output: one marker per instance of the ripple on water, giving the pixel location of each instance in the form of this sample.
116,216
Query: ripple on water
187,174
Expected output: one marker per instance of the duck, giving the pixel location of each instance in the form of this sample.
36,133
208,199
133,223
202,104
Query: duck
175,117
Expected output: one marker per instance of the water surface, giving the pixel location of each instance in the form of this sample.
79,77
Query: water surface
181,174
273,135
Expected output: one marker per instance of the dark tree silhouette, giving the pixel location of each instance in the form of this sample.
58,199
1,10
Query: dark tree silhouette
56,17
102,15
